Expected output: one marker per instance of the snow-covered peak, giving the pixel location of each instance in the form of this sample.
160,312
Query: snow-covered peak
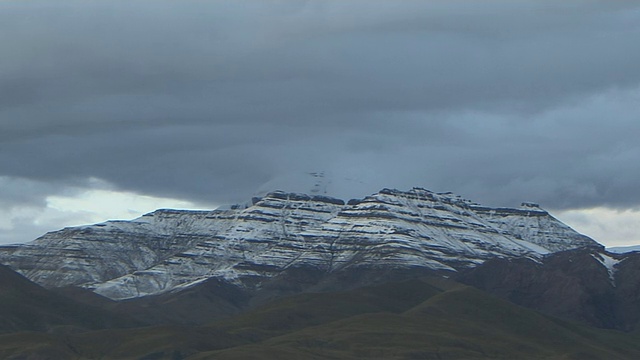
623,249
318,183
530,205
169,249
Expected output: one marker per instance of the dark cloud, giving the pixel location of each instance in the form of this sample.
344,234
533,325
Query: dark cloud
500,101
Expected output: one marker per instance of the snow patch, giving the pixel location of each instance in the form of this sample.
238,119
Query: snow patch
533,247
609,263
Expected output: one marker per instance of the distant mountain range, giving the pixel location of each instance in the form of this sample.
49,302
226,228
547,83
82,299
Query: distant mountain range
396,275
623,249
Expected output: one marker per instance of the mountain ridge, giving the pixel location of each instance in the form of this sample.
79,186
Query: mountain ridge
169,250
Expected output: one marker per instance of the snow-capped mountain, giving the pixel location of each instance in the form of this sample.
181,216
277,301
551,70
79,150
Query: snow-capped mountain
623,249
168,249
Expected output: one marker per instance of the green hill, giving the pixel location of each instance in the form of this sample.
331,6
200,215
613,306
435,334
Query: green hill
417,319
462,323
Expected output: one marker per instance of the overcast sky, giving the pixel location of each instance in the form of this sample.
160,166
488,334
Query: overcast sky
113,108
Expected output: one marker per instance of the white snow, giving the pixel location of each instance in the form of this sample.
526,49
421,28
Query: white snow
623,249
533,247
167,249
609,263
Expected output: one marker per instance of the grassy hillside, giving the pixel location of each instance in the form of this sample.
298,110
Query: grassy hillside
463,323
25,306
418,319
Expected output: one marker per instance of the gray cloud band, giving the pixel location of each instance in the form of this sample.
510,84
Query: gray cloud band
499,101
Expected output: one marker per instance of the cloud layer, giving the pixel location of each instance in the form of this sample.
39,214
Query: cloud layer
499,101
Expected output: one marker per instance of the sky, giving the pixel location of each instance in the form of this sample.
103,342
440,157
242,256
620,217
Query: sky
110,109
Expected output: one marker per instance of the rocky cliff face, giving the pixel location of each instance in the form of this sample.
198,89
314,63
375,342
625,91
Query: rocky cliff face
169,250
587,285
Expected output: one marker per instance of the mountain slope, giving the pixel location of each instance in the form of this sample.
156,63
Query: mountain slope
25,306
169,250
460,323
587,285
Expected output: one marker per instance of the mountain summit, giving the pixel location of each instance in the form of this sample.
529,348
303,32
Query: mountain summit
168,250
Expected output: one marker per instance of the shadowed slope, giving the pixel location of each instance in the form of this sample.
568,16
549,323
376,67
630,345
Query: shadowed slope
416,319
462,323
26,306
593,287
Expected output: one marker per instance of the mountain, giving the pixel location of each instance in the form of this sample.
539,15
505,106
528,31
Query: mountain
623,249
395,275
591,286
282,233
